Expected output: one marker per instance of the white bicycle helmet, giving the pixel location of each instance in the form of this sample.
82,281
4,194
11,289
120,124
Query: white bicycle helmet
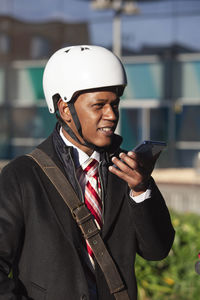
79,68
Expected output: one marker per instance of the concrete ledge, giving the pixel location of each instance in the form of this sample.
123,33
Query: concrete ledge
177,176
164,176
180,188
3,163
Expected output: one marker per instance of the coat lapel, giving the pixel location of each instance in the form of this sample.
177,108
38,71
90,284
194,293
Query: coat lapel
115,192
113,201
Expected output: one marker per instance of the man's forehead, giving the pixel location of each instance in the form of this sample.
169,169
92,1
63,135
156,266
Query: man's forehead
99,95
113,89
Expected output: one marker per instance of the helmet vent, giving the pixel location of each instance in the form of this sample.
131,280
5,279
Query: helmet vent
84,48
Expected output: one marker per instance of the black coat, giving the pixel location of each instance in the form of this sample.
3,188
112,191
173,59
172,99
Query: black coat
42,244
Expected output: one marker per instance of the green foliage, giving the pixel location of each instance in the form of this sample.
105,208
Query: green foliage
173,278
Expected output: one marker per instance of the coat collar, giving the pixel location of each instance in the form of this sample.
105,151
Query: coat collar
113,185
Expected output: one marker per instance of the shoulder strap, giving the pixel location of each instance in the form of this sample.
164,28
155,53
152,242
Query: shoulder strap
85,221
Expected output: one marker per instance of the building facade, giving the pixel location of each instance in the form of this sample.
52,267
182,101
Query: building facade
161,102
24,50
29,41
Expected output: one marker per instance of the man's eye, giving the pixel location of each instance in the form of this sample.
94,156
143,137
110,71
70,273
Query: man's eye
115,106
99,105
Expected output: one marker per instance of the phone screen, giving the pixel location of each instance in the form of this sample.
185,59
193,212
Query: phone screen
151,147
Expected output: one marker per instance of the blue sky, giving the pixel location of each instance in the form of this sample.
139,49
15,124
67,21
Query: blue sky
154,25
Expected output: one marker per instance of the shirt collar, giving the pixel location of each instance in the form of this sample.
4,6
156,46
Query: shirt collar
80,156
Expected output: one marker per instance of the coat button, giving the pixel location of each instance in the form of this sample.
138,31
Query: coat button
83,297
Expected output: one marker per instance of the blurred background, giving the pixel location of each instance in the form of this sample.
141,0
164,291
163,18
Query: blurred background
158,41
159,44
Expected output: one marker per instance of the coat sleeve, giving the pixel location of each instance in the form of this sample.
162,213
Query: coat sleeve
154,230
11,232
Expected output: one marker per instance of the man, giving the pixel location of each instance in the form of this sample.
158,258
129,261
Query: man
39,239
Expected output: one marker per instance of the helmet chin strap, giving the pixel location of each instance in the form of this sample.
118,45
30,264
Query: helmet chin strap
78,127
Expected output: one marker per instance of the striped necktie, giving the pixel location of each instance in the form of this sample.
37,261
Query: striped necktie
93,195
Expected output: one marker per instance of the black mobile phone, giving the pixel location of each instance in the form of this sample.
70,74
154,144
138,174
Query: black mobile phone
150,147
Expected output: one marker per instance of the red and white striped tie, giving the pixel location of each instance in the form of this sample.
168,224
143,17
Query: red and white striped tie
93,195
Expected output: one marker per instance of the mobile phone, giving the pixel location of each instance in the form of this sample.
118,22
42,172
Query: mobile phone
150,147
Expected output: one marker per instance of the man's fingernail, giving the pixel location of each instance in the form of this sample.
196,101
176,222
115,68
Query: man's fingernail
130,153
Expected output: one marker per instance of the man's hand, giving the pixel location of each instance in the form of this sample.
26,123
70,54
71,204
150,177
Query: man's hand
135,169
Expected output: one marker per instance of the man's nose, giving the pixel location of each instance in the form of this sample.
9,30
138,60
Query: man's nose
110,113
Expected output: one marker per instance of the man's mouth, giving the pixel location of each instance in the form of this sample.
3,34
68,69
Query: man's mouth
107,130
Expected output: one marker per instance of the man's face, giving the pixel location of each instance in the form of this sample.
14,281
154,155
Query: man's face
98,115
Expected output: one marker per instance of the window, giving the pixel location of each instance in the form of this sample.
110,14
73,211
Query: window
2,85
4,43
40,47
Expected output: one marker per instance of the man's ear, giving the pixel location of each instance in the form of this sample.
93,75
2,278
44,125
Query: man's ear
64,110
